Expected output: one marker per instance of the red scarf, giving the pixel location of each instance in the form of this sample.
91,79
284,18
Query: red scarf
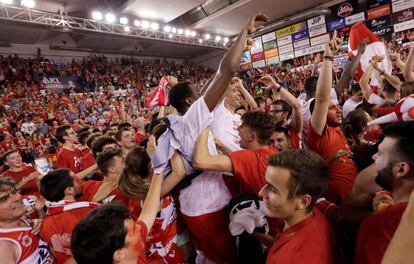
63,206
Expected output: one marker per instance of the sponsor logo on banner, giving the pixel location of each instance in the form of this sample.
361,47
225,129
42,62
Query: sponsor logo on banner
259,64
320,40
268,37
403,16
301,43
375,3
383,31
284,41
245,57
379,11
318,30
270,53
404,26
300,35
257,45
245,67
354,18
269,45
258,56
401,5
272,60
286,49
62,82
310,50
337,24
379,23
316,21
286,31
345,10
288,56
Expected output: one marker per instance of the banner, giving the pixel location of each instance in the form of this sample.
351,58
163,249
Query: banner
245,67
401,5
320,40
316,21
310,50
354,18
379,23
404,26
286,31
380,11
301,43
269,45
383,31
268,37
403,16
337,24
246,58
288,56
284,41
62,82
257,45
318,30
259,64
300,35
271,53
286,49
257,56
272,60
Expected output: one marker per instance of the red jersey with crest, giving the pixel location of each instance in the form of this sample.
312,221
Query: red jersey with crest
31,248
29,188
61,218
70,159
90,188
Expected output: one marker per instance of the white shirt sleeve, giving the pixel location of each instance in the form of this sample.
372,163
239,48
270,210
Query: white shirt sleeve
375,99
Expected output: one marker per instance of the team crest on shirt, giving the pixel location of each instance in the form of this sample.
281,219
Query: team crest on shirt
26,240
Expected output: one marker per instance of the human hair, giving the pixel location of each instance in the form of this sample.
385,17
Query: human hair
7,181
120,132
132,181
54,184
388,87
61,132
106,157
91,139
355,88
308,173
83,129
178,94
83,137
99,234
353,126
259,100
100,142
124,125
403,132
285,106
281,129
310,86
7,154
260,123
407,88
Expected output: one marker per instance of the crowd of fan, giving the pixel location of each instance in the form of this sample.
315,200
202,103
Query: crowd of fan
274,157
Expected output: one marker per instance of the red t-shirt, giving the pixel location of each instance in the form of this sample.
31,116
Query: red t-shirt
59,223
69,159
376,232
29,188
87,160
142,230
249,168
139,137
295,140
90,188
342,174
310,241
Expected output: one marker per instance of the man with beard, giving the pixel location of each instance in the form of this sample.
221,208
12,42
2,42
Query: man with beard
287,112
61,188
394,162
325,136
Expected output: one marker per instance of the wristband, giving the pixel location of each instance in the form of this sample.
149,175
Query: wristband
328,57
382,72
278,89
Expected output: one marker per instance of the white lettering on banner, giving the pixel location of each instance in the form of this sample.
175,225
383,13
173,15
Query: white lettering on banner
268,37
404,26
316,21
310,50
401,5
51,80
320,40
354,18
301,43
286,49
287,56
259,64
284,41
318,30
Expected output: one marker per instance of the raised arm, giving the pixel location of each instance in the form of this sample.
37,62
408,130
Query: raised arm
230,63
408,70
396,58
323,88
393,80
178,173
152,202
350,70
247,96
364,82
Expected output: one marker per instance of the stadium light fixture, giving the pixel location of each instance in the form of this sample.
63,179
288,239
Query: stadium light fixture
97,15
155,26
110,18
145,24
170,35
6,2
187,32
137,23
167,29
28,3
218,38
174,30
193,33
207,36
127,29
123,20
200,41
226,39
180,31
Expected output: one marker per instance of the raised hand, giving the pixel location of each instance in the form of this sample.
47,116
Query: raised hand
251,24
269,82
333,46
248,44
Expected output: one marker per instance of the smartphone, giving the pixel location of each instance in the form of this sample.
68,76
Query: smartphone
42,166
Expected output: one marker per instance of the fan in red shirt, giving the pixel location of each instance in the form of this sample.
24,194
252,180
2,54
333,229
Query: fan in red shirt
295,179
61,187
139,125
394,163
23,174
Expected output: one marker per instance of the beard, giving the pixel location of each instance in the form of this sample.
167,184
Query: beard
385,178
78,194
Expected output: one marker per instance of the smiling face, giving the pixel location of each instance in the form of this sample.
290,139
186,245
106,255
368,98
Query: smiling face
334,117
233,97
127,140
384,163
11,205
14,160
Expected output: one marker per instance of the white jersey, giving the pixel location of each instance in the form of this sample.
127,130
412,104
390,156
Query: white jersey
225,127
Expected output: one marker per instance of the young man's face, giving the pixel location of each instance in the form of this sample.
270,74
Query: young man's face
11,205
358,97
14,160
383,163
245,134
72,137
334,117
133,243
118,165
280,141
233,96
275,194
279,115
127,139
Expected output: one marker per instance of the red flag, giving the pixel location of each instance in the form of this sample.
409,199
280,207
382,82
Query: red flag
375,47
159,96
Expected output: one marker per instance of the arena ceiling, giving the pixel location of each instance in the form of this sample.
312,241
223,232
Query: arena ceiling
225,17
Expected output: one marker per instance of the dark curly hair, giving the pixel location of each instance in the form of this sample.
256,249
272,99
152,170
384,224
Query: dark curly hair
178,93
261,123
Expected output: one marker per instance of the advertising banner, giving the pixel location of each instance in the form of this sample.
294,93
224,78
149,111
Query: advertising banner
400,5
316,21
379,23
269,45
271,53
284,41
62,82
354,18
286,31
380,11
268,37
259,64
301,43
258,56
403,16
318,30
300,35
272,60
337,24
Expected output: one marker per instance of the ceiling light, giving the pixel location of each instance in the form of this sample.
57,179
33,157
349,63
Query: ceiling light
180,31
137,23
200,41
226,40
123,20
193,33
110,18
28,3
187,32
6,2
155,26
207,36
170,35
145,24
167,29
174,30
127,28
97,15
218,38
